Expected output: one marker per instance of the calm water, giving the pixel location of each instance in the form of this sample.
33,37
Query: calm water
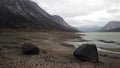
94,38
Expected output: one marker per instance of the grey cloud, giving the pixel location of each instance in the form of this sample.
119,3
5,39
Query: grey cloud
88,10
113,10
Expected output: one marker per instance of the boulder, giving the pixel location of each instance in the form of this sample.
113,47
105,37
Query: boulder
87,53
30,49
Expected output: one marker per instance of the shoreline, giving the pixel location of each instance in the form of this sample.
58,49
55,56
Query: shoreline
53,54
105,52
100,50
112,50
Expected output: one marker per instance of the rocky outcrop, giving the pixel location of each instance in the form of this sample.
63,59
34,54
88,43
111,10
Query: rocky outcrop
30,49
87,52
112,26
27,14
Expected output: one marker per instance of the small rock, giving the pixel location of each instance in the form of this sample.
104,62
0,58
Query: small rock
51,58
30,49
105,55
36,64
87,52
0,48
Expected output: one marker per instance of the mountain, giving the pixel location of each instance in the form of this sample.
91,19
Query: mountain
112,26
59,20
89,28
27,14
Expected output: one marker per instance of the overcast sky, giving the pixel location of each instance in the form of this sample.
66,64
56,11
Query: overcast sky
83,12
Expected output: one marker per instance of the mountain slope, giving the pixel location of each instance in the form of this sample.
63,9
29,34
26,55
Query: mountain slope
61,21
112,26
27,14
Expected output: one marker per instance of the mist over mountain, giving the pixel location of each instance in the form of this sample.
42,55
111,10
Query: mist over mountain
89,28
112,26
27,14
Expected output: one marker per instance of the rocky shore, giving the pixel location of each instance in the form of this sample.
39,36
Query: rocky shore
52,54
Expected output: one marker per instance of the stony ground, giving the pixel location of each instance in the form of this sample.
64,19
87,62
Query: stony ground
52,55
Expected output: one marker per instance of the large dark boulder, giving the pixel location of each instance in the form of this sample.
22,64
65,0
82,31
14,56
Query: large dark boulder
87,52
30,49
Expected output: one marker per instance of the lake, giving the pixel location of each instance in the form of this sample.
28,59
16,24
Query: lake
101,39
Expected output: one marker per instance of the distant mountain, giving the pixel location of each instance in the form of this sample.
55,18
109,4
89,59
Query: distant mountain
112,26
27,14
89,28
